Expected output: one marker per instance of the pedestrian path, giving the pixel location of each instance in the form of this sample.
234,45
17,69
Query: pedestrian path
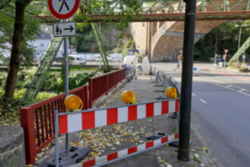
164,156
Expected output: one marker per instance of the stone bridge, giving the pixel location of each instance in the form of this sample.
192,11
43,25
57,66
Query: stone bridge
163,40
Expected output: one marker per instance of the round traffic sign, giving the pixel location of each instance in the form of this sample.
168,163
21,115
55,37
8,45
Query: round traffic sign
195,68
63,9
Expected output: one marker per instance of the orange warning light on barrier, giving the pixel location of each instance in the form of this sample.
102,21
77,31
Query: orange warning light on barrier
171,92
73,102
128,97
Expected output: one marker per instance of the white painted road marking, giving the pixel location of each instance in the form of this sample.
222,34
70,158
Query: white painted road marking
203,101
193,94
244,93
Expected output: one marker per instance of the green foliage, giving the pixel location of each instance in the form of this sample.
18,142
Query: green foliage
119,35
31,28
11,105
125,52
54,80
196,159
74,81
84,39
227,35
14,104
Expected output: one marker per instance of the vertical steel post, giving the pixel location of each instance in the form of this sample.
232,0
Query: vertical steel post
66,80
248,2
215,48
215,58
203,5
186,84
56,138
238,46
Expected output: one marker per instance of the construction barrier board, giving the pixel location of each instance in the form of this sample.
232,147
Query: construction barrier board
88,119
93,118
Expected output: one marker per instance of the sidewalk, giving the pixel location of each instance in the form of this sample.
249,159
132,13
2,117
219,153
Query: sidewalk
112,138
164,156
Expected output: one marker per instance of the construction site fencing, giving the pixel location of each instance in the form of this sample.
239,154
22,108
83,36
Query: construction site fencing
100,85
37,120
82,120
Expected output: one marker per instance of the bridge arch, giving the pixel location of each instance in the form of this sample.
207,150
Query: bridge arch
168,39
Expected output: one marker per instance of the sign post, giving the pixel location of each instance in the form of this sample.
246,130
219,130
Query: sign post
215,55
243,57
64,10
225,56
180,58
186,84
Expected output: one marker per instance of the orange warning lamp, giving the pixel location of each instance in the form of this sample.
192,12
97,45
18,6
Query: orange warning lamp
171,92
128,96
73,102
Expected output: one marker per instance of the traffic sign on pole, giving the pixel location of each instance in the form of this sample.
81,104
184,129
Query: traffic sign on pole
180,51
64,29
62,9
226,50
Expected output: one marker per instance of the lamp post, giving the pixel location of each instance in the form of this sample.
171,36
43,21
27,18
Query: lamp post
239,25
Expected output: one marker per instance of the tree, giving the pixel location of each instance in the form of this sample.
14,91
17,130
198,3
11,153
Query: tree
124,8
19,41
4,3
227,35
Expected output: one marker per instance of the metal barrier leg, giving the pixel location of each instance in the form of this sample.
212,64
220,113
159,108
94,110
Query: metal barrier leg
56,138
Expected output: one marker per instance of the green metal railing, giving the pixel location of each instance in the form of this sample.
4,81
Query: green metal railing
173,5
240,51
45,64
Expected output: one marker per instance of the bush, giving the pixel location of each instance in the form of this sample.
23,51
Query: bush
11,105
119,35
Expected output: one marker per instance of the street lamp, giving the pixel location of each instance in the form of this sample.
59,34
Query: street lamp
239,25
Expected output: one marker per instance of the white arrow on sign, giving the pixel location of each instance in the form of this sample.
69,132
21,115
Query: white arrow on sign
64,29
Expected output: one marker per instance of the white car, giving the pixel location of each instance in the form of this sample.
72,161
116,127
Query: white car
76,60
98,58
116,57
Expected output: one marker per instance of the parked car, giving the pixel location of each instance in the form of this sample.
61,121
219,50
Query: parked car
98,58
116,57
76,60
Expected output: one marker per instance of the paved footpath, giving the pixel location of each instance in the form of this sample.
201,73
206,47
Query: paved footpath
164,156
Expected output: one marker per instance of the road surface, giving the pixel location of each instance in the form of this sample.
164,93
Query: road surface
220,111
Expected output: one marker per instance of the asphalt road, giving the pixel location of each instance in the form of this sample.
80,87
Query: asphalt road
220,111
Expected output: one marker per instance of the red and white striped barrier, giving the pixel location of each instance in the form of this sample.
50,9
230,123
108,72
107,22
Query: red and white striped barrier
126,152
82,120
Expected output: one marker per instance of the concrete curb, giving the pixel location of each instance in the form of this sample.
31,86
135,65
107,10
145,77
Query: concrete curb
204,143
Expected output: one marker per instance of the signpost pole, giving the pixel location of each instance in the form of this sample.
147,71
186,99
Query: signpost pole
225,50
225,63
186,84
180,61
64,29
215,55
66,81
